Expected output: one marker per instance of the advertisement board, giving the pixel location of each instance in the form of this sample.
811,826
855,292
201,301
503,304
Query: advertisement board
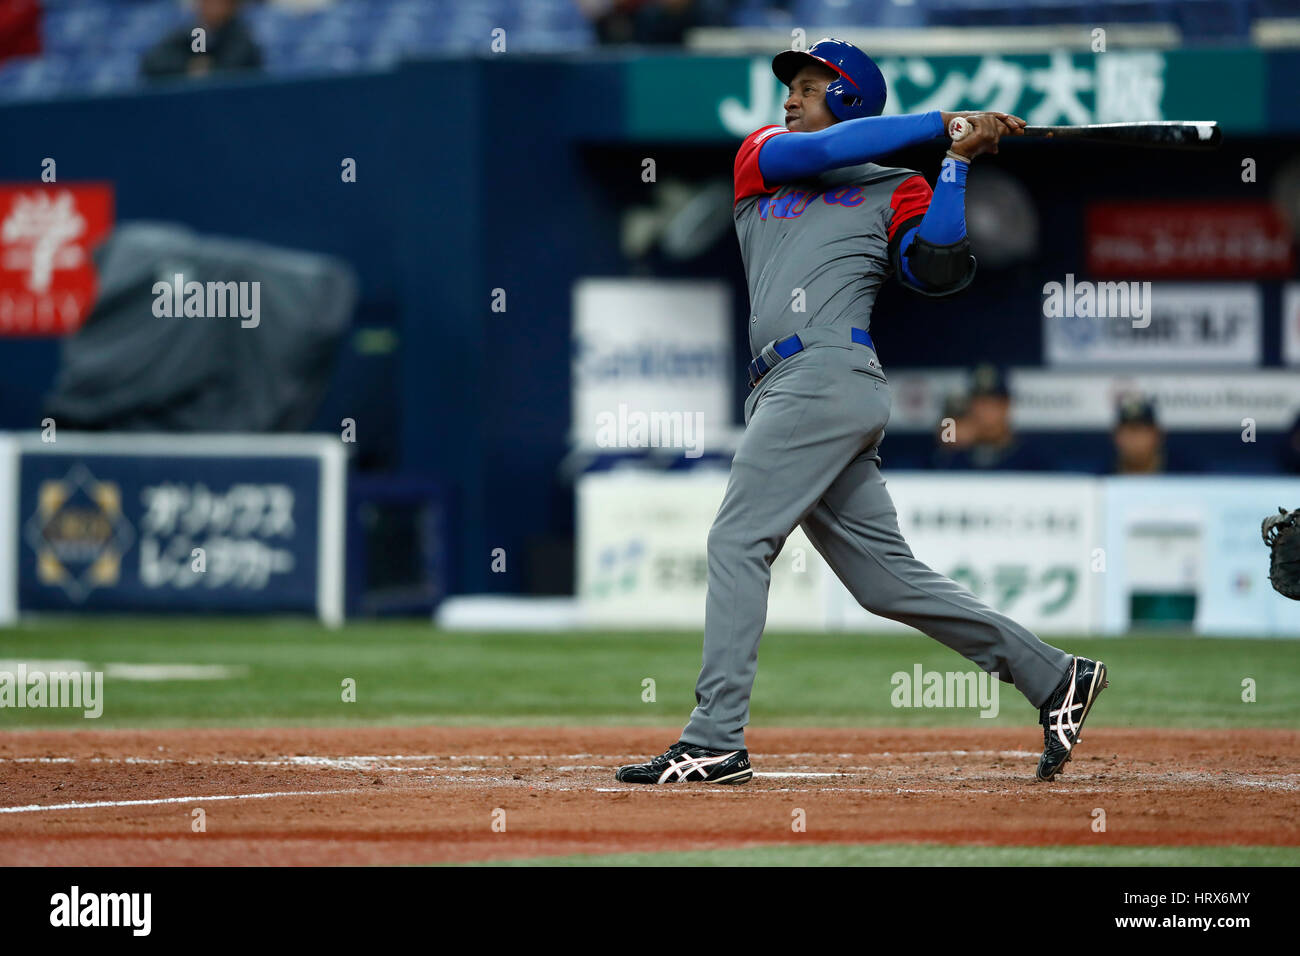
643,554
652,365
1065,399
1242,239
48,280
1026,546
1152,324
1047,88
1060,555
180,524
1060,399
1188,551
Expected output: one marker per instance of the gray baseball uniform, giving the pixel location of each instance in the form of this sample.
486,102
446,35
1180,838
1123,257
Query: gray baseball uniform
809,453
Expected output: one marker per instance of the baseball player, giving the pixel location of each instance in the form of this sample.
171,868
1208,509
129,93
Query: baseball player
820,224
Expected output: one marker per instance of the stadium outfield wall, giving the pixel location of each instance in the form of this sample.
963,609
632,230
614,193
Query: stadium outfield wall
1062,554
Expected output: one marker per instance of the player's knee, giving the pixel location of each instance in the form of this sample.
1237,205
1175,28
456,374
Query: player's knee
734,538
725,536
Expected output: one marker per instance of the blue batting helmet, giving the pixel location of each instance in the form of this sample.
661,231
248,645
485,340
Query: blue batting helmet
858,91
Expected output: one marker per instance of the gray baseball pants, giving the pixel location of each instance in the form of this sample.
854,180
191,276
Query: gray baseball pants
809,457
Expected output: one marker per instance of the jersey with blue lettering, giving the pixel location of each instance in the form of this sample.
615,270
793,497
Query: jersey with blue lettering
817,251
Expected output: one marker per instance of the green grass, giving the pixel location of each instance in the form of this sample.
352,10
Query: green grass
407,672
934,855
890,854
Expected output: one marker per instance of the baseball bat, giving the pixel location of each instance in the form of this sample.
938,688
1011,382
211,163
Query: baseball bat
1161,134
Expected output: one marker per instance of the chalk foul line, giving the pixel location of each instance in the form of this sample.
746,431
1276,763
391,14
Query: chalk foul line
37,807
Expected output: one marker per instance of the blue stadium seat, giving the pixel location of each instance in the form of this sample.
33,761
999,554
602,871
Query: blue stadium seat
11,77
76,28
96,44
339,30
272,26
1061,12
118,72
761,13
551,15
820,14
380,55
34,77
144,24
280,57
401,27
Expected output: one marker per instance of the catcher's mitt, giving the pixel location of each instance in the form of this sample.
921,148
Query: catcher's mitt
1282,535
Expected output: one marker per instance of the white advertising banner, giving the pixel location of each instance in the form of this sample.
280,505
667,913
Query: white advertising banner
1065,399
1185,401
1153,324
1190,548
652,365
1291,323
642,554
1023,545
1060,555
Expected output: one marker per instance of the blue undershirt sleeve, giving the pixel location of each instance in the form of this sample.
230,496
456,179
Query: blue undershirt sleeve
945,221
785,159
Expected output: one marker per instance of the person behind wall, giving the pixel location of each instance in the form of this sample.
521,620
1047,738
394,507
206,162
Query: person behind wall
227,45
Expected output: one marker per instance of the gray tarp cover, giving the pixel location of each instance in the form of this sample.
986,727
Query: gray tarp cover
127,369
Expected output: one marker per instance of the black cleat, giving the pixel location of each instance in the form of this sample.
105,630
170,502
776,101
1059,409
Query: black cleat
688,763
1063,715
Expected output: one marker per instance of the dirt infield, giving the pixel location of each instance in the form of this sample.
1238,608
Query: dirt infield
427,795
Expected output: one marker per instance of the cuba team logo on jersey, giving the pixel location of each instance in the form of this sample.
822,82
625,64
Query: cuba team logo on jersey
795,202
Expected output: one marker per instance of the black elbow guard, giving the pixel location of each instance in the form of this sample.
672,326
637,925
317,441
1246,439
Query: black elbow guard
943,269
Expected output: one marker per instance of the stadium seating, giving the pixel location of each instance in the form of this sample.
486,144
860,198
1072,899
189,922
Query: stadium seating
95,45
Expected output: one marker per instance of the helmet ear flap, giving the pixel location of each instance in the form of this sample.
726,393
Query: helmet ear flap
842,101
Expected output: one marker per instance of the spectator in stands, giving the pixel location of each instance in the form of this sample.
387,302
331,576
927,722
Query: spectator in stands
993,443
649,21
1139,440
227,45
954,431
